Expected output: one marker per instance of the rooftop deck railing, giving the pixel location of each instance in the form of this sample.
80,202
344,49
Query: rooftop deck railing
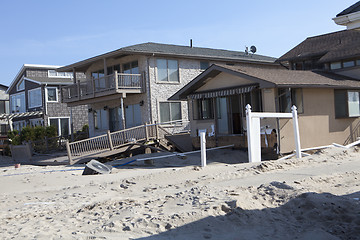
90,87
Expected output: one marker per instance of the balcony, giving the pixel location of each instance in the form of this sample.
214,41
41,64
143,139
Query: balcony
103,88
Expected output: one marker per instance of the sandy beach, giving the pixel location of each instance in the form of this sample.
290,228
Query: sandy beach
316,197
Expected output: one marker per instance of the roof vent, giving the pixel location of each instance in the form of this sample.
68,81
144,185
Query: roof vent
191,43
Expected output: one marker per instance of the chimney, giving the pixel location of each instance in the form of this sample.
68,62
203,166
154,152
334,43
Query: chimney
191,43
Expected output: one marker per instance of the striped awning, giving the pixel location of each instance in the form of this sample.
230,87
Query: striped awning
25,114
222,92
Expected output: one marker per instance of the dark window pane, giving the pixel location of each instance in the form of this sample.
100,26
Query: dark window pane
175,111
64,123
162,70
340,103
164,112
204,65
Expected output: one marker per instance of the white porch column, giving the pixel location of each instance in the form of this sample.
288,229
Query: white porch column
122,112
203,147
296,131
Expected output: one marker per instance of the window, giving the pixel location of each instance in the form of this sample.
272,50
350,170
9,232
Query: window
36,122
358,62
335,65
347,103
52,94
19,125
34,98
204,65
131,68
167,70
53,73
17,103
21,85
203,109
61,124
348,64
288,97
170,111
100,119
3,107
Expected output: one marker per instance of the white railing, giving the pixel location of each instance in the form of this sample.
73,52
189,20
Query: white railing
92,86
117,139
110,141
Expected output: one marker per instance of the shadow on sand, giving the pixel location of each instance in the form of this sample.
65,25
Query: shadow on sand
308,216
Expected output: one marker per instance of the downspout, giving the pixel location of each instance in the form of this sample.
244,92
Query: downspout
45,101
148,87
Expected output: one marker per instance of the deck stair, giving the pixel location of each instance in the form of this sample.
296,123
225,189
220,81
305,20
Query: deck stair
118,142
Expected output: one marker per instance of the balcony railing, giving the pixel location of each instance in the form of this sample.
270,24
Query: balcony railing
101,86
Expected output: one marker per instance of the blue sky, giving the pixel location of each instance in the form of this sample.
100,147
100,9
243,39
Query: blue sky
63,32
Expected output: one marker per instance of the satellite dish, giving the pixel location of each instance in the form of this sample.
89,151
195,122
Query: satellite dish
253,49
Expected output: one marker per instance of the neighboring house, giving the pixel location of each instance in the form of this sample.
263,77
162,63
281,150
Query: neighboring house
350,17
4,110
323,82
131,86
35,100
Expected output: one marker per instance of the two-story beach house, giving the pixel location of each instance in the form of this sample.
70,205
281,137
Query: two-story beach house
323,81
131,86
35,99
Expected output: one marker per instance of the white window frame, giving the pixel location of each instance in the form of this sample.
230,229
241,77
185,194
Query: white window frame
17,94
57,74
167,68
29,101
22,80
58,124
159,110
56,94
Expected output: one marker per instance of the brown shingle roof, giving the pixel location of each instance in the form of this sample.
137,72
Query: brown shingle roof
296,78
352,9
328,47
272,77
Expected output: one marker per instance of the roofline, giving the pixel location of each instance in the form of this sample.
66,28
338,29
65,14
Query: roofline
135,52
26,66
179,95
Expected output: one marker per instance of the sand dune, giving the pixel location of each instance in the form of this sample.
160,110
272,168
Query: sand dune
316,197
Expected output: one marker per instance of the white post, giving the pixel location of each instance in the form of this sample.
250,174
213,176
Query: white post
296,131
248,127
255,140
203,148
122,112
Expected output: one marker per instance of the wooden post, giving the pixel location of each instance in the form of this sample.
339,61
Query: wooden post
68,152
122,112
146,132
109,138
296,131
248,131
157,130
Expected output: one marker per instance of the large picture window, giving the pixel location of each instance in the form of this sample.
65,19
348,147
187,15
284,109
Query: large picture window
203,109
17,103
347,103
170,111
167,70
34,98
288,97
62,125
